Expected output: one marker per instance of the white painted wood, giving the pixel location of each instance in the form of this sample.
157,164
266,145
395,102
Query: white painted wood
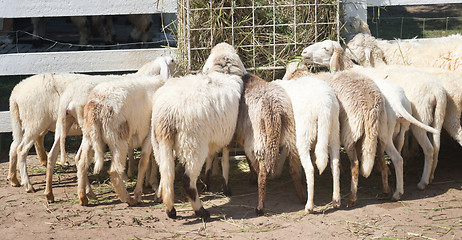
81,61
56,8
5,122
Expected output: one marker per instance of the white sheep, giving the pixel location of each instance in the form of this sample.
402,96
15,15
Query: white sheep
192,118
316,114
33,109
362,112
444,52
265,122
365,49
427,97
71,108
117,113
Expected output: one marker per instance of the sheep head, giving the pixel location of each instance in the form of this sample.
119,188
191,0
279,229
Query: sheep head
163,66
326,53
295,70
354,25
223,58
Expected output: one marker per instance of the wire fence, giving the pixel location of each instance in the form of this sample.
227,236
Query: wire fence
265,32
411,27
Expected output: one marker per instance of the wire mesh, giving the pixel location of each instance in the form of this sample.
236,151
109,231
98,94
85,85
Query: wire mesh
266,33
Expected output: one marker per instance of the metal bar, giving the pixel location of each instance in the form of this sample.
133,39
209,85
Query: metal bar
268,6
188,34
262,26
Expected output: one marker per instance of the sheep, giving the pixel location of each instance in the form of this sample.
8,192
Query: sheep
110,117
316,114
265,122
141,25
427,97
446,52
34,106
192,118
352,26
365,49
96,22
71,108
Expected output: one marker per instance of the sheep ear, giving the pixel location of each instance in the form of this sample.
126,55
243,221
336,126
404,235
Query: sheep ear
368,54
335,60
164,70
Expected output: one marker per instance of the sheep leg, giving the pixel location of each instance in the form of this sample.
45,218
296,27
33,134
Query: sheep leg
12,174
261,188
294,169
82,171
335,166
398,164
253,170
131,164
307,164
452,122
143,166
400,137
436,150
24,148
166,162
116,172
153,176
427,148
354,167
191,174
225,171
383,167
50,168
40,148
62,132
208,170
282,160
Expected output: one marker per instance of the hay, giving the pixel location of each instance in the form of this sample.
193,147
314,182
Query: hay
267,34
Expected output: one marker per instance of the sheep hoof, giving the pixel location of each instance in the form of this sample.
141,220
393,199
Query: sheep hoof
171,213
227,192
91,195
43,163
50,197
351,203
131,201
202,213
396,196
421,186
259,212
84,201
30,189
336,203
14,182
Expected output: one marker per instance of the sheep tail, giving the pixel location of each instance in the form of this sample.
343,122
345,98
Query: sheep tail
272,123
406,115
92,126
371,133
322,145
15,120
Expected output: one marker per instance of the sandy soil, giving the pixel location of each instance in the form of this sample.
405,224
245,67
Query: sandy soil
435,213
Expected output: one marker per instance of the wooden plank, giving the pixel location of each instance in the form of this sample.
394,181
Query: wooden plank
5,122
57,8
79,61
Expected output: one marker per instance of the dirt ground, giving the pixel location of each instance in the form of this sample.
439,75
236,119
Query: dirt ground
435,213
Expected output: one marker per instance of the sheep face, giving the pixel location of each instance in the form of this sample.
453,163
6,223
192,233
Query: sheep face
223,58
320,53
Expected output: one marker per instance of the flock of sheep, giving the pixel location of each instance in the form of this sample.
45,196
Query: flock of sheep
367,108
